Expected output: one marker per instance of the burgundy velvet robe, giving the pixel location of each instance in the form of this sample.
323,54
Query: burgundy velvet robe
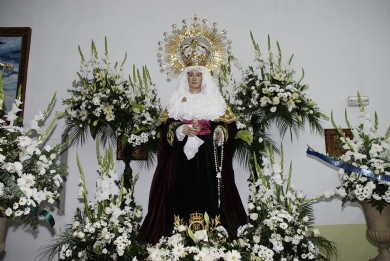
174,192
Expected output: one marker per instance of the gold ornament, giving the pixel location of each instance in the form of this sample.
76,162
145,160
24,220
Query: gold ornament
193,57
196,222
194,44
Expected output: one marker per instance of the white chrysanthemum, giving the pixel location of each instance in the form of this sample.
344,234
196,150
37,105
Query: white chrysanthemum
233,256
24,141
178,250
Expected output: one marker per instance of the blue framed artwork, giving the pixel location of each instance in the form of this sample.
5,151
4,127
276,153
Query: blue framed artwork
14,50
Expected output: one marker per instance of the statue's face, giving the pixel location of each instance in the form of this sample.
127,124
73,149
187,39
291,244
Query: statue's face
195,80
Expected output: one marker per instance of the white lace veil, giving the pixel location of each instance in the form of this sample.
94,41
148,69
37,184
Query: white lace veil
206,105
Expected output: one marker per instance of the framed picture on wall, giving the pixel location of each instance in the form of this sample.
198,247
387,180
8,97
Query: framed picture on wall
14,51
333,144
140,153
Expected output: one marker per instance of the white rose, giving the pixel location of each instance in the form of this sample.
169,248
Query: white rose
107,210
107,236
75,224
305,219
287,239
80,234
200,235
253,216
8,212
316,232
181,228
251,205
256,239
138,213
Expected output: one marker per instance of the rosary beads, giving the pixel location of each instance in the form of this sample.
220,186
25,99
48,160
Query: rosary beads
218,168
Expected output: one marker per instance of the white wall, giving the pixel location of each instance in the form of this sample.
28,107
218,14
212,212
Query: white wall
344,47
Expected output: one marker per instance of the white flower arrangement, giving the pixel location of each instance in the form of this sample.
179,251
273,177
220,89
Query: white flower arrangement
146,109
29,175
272,90
365,173
105,104
280,218
106,229
278,226
267,95
184,244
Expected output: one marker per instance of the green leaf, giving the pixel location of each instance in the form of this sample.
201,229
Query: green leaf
289,61
124,141
124,60
81,55
207,220
256,257
246,136
191,234
105,46
84,192
303,75
137,108
139,130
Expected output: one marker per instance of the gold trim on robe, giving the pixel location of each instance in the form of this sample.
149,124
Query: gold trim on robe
228,117
164,116
170,134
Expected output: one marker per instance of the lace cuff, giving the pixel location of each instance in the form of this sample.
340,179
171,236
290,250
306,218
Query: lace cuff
179,133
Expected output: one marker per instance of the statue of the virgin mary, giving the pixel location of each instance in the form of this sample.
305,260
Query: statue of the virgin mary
194,173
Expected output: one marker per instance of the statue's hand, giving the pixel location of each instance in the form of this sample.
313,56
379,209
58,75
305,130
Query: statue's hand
218,135
189,131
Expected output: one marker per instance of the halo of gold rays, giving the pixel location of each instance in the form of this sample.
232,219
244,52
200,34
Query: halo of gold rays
175,41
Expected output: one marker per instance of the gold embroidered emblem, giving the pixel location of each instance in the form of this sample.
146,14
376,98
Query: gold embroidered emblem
196,222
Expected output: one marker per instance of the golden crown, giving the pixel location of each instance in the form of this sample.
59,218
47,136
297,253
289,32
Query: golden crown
194,44
195,53
196,217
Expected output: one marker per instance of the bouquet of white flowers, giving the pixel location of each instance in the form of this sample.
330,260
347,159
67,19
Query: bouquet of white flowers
208,242
28,176
364,167
268,94
280,217
106,229
272,92
103,103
